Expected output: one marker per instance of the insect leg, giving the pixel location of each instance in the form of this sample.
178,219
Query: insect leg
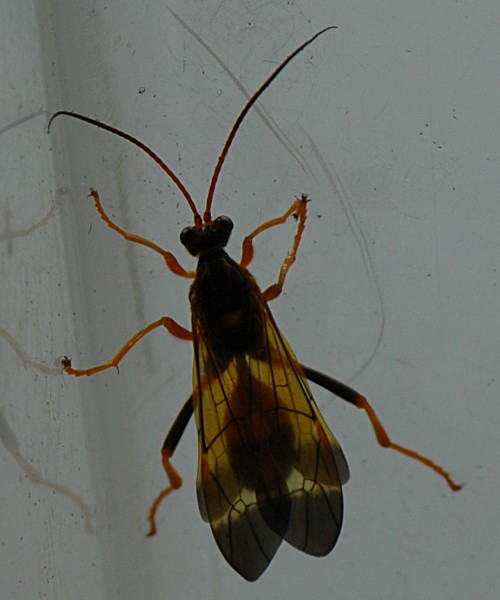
168,257
172,326
167,451
298,211
353,397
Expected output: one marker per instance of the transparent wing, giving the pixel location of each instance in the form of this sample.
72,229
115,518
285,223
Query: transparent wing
267,461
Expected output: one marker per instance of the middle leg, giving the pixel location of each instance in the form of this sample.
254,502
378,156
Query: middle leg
172,327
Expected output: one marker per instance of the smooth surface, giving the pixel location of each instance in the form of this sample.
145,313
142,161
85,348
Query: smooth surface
399,103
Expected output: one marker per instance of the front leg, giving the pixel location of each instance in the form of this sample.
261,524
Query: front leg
298,211
170,260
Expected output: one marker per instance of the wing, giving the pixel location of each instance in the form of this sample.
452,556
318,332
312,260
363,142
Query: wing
267,461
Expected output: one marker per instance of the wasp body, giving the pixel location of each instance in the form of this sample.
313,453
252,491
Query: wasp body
269,468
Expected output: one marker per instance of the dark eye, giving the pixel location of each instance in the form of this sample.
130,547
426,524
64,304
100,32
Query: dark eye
188,235
224,224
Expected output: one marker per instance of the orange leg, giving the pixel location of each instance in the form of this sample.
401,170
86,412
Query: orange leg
170,260
172,326
175,482
353,397
167,451
384,440
298,211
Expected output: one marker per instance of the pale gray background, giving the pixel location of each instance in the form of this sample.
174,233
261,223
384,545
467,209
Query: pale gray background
401,103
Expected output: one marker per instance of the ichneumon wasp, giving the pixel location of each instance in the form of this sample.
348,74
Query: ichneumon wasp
269,468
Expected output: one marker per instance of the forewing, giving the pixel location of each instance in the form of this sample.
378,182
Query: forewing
224,498
267,467
313,479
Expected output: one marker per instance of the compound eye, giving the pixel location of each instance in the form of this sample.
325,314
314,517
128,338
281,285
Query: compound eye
224,224
188,236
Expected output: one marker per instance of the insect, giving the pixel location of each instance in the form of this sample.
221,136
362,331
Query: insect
269,468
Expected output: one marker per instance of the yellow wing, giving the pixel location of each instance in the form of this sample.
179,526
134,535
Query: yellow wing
267,466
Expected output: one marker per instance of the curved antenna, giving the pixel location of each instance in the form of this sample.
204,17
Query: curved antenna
207,217
163,166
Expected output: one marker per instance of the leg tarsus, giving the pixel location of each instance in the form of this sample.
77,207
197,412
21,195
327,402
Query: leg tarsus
169,445
353,397
384,440
175,482
172,326
247,250
298,210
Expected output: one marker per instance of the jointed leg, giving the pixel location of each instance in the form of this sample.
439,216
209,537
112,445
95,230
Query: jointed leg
298,210
167,451
168,257
384,440
346,393
172,326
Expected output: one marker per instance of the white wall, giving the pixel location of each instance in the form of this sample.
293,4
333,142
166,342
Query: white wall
400,103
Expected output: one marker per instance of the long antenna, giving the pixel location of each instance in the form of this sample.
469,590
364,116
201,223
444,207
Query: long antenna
225,150
139,144
253,99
